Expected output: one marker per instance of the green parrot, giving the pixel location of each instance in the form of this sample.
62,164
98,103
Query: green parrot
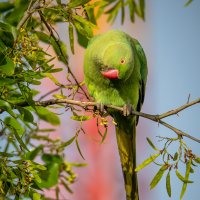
115,70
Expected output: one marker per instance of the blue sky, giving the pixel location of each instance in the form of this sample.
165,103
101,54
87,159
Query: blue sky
176,32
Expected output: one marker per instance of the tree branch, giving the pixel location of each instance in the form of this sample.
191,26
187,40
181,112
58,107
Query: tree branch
28,13
177,110
155,118
68,86
66,61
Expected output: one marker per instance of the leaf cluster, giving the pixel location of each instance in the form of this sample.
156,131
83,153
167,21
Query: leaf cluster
172,162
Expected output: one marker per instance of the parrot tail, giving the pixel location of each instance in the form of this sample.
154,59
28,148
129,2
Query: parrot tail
126,139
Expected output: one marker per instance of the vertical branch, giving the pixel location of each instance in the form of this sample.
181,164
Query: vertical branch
28,13
66,61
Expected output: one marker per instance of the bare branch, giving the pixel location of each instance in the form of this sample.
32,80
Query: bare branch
177,110
155,118
68,86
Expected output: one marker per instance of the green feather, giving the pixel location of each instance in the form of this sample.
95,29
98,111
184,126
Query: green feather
105,52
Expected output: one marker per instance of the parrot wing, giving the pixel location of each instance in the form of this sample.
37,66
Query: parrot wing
143,72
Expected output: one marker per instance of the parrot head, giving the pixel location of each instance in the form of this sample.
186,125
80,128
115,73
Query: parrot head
117,61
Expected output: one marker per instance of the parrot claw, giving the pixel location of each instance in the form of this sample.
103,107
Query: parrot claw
127,109
100,107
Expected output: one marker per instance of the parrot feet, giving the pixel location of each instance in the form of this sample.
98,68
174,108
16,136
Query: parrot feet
100,107
127,109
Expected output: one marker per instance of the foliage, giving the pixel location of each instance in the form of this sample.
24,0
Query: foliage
28,34
170,162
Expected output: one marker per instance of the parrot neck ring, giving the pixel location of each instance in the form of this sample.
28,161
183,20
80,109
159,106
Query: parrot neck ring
110,73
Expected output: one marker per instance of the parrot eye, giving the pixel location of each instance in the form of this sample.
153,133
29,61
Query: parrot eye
122,61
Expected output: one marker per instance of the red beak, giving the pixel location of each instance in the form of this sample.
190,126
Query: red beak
111,73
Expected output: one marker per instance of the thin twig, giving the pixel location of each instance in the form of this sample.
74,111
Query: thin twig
50,92
177,110
68,86
66,61
28,13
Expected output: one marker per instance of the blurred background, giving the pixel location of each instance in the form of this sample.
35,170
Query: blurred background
170,38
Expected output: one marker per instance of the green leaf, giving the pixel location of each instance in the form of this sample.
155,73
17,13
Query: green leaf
83,29
76,3
82,40
20,8
36,176
35,185
60,49
80,117
91,12
49,158
47,115
40,167
3,47
100,133
22,144
4,6
36,196
8,28
58,46
188,3
158,176
71,37
31,155
187,174
7,81
4,154
26,114
168,184
27,94
7,107
104,135
52,78
147,162
175,156
183,179
122,11
47,130
83,21
67,143
8,68
79,164
55,70
49,178
113,12
79,150
191,170
12,123
59,96
151,144
197,160
43,37
17,129
131,10
142,9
